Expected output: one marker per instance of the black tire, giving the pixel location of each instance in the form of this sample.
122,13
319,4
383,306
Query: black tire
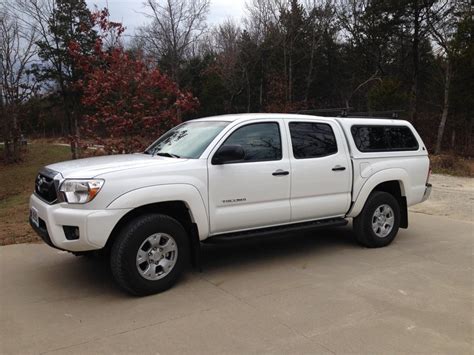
125,247
362,224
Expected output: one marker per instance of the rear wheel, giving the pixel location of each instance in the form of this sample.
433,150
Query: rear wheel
378,223
149,254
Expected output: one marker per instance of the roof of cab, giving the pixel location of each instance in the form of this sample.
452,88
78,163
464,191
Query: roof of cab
344,121
256,116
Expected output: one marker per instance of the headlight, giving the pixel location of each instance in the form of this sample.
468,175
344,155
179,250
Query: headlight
79,191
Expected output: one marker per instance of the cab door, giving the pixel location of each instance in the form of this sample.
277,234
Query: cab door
255,191
321,170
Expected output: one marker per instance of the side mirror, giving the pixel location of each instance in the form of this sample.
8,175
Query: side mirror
228,154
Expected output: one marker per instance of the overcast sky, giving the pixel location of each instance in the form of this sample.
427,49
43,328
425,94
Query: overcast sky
130,12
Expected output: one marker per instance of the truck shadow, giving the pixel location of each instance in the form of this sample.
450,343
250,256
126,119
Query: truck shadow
233,254
91,276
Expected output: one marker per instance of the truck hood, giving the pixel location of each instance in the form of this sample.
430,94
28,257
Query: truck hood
93,167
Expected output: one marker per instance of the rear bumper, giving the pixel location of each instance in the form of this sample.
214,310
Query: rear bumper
95,226
427,193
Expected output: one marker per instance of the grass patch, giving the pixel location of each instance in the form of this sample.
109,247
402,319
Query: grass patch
452,165
17,183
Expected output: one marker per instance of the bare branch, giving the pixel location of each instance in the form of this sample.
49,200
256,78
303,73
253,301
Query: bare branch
176,26
17,50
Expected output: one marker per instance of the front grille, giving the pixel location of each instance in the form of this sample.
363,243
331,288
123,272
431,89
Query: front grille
45,187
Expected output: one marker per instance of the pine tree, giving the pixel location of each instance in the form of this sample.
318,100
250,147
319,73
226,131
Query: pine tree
70,21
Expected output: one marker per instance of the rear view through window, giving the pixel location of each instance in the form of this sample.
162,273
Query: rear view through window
383,138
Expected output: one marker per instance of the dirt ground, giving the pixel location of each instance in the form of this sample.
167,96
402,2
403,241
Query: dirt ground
451,196
17,183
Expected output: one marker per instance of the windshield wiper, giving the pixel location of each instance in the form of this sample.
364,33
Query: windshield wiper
170,155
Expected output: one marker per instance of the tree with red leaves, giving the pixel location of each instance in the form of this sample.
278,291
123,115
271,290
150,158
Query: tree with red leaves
129,103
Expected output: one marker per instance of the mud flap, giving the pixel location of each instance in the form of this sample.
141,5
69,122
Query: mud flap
403,212
195,248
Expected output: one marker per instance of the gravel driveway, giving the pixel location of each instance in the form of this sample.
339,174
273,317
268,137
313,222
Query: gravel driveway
451,196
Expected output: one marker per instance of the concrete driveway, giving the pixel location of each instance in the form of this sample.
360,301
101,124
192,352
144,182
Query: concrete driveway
316,293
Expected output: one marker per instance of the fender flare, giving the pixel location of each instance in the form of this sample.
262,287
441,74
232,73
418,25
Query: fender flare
186,193
393,174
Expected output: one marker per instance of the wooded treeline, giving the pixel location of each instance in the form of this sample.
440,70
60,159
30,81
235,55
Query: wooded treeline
70,71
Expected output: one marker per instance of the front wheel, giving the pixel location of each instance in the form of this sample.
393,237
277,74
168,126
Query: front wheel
378,223
149,254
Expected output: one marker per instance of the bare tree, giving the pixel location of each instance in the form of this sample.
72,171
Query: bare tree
228,66
262,15
417,21
367,35
17,51
175,28
442,21
226,36
321,18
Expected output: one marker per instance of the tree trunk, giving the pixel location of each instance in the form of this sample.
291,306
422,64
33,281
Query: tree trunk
72,130
262,76
175,78
4,123
309,76
75,153
248,91
444,115
11,136
467,147
16,141
229,108
285,70
416,63
290,78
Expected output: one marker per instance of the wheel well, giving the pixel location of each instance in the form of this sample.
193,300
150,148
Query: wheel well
395,188
175,209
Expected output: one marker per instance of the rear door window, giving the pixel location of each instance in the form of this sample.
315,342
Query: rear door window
312,140
378,138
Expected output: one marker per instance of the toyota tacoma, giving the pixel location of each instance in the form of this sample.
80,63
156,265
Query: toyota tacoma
227,178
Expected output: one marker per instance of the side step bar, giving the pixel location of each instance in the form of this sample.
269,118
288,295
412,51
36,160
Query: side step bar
275,231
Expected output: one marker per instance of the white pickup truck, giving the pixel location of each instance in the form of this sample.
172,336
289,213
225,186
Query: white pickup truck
229,177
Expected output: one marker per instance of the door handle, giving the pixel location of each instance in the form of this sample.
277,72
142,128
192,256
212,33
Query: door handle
280,172
338,168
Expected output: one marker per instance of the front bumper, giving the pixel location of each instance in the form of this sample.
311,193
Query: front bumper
427,193
95,226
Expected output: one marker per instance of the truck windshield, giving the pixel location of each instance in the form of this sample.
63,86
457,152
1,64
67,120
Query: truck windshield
188,140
